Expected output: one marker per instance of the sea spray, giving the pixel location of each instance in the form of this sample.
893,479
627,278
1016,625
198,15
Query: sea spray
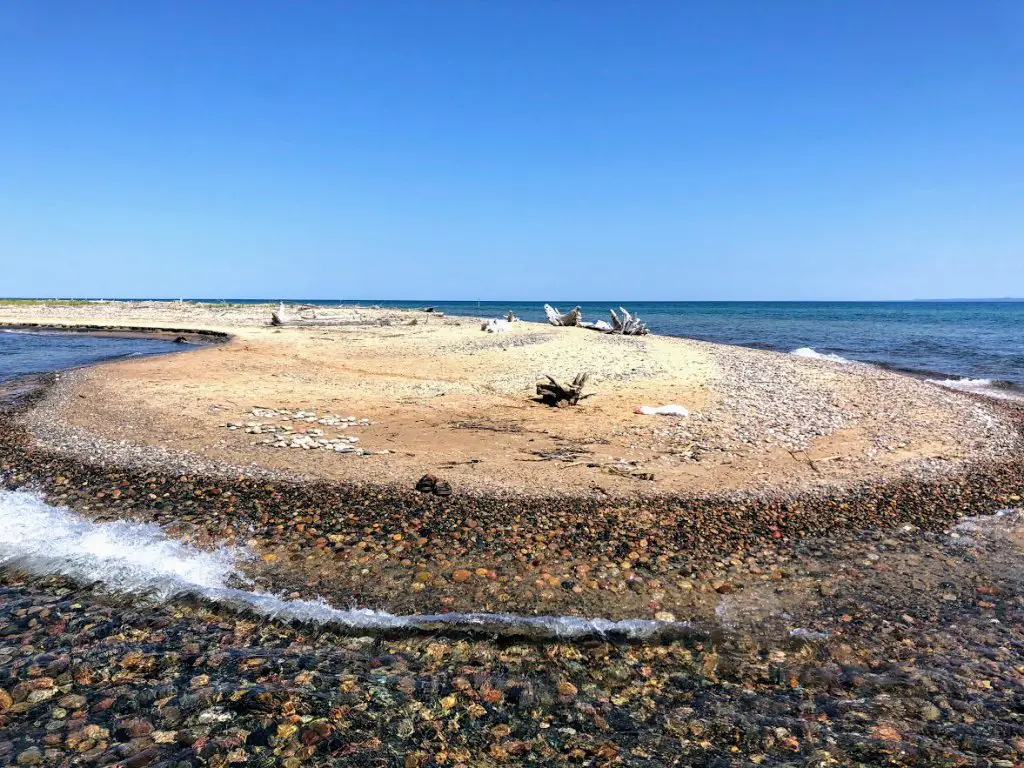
141,559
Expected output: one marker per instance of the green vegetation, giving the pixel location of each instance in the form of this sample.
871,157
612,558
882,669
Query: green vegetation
50,302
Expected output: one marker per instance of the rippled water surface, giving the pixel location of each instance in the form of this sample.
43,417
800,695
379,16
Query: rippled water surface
27,352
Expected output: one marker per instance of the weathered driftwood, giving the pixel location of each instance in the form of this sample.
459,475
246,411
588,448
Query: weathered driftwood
630,325
555,317
600,325
554,393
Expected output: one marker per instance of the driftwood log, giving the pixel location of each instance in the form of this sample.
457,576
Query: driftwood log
630,325
555,317
557,394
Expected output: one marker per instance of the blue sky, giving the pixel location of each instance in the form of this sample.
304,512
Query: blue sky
458,149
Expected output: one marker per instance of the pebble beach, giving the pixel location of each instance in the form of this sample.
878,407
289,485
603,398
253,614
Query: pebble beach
801,521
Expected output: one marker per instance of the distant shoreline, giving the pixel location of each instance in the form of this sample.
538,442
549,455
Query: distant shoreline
428,302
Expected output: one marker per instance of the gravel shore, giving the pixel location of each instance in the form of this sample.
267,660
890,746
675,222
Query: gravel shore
396,549
902,648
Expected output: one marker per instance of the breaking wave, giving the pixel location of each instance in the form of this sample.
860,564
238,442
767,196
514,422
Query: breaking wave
141,559
815,355
1003,390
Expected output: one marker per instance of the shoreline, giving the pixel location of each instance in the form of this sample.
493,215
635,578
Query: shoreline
369,540
189,335
827,645
408,553
480,417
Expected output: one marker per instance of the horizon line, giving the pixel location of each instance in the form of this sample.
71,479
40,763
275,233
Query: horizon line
427,302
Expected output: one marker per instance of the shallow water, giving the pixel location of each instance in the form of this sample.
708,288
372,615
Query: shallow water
913,659
139,559
31,352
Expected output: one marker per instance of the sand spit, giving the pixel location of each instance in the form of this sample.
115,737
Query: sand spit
827,644
585,511
804,447
441,396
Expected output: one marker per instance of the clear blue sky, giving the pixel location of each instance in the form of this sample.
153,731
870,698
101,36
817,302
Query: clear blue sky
516,149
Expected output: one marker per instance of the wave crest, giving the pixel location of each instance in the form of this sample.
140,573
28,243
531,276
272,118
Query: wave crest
139,558
815,355
997,388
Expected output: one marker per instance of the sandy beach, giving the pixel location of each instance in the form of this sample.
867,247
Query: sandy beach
435,394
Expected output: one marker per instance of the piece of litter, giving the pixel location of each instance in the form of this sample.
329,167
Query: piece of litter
495,326
661,410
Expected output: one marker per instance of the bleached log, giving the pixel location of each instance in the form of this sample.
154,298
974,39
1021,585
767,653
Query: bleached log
630,325
555,317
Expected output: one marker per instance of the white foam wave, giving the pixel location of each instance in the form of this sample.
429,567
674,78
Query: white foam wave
815,355
139,558
985,387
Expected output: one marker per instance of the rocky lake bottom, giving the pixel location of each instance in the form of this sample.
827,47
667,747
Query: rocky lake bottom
908,652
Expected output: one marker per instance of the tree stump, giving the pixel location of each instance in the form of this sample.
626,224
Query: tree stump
553,393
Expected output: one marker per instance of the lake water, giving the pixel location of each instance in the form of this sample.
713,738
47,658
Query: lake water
29,352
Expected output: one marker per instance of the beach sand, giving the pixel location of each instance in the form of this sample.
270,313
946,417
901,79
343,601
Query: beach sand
443,397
